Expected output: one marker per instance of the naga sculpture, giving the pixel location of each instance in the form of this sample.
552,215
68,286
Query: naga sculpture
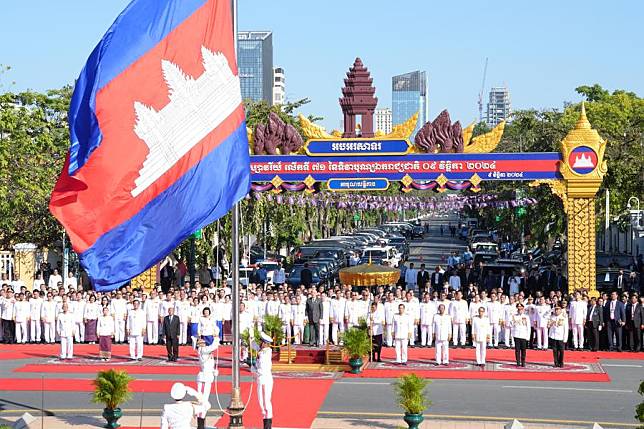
276,137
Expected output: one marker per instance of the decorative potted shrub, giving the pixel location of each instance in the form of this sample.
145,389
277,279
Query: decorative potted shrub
356,344
411,393
640,408
273,326
112,388
245,340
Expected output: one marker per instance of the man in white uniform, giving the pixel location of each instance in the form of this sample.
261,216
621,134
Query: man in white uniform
427,312
298,311
337,317
508,310
459,314
264,377
411,277
285,313
543,317
151,309
118,308
21,317
578,313
65,328
35,309
325,318
391,308
179,414
48,317
136,330
480,335
402,334
182,310
352,311
495,316
442,335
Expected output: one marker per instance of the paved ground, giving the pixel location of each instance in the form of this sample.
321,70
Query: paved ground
358,403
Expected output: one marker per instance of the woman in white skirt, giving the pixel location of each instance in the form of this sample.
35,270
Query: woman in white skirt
207,372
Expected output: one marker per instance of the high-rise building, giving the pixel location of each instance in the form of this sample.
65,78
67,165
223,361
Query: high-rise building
255,64
382,120
279,86
408,96
498,107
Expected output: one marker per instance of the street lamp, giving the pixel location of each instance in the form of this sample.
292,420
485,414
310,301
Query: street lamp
635,219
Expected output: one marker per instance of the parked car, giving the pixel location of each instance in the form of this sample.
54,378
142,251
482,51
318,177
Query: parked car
294,278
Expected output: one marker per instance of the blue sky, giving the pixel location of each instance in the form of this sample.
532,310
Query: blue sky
542,50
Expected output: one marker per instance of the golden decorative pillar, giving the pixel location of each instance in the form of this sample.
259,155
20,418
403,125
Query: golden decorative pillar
583,169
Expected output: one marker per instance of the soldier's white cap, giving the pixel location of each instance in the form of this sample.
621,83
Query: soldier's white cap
178,391
266,338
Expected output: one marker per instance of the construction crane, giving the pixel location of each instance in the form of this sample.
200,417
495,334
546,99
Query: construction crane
481,93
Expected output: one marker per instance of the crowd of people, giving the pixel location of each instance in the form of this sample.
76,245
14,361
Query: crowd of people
433,314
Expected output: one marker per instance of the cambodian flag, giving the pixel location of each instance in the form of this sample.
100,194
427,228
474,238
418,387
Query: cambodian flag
158,137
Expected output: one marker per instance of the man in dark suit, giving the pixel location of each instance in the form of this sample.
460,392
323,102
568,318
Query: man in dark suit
422,278
313,313
620,282
639,324
615,319
437,280
171,328
306,275
594,324
633,311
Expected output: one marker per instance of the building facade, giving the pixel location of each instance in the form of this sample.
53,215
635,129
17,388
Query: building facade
279,86
498,107
255,63
383,120
408,96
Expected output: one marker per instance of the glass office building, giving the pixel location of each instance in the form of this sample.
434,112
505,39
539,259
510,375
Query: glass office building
255,63
408,96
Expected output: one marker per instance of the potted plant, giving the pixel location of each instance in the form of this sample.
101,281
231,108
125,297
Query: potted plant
273,326
112,388
640,408
356,344
245,340
411,393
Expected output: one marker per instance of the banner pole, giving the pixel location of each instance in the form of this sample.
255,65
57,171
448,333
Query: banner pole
236,407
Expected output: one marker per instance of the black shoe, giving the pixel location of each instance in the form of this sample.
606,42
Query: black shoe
201,423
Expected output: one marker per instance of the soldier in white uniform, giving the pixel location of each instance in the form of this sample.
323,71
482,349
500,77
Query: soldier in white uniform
21,313
495,316
352,311
182,310
299,319
557,333
151,309
48,317
136,330
118,308
207,371
520,324
325,318
481,332
442,335
264,377
427,312
459,313
179,414
543,317
401,334
35,308
578,313
65,328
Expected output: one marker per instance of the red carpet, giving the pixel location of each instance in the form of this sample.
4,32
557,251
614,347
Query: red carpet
130,369
484,375
81,385
295,403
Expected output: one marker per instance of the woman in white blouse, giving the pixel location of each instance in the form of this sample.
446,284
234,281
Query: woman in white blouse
208,327
90,317
105,329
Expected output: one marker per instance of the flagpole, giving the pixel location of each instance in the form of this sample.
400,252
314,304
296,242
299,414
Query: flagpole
236,407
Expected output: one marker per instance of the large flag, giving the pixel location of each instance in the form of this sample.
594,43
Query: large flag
158,137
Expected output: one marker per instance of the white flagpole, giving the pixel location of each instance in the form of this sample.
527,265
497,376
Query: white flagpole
236,407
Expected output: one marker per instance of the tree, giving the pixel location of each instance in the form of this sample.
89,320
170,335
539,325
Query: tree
34,138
